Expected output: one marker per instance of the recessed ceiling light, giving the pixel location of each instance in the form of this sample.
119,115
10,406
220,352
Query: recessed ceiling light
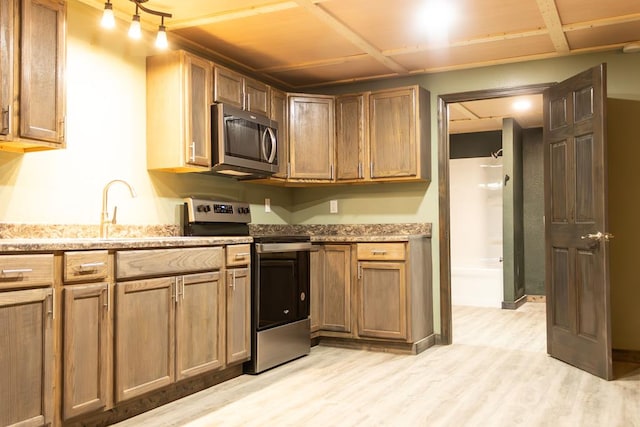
436,17
521,105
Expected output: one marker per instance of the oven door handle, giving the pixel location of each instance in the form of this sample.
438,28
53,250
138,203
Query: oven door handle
264,248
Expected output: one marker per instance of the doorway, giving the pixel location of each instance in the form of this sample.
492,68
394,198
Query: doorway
444,151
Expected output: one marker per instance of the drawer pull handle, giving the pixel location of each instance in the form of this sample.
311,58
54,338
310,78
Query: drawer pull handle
378,252
242,255
91,266
17,271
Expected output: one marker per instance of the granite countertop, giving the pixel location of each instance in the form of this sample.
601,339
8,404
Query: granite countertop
71,243
61,237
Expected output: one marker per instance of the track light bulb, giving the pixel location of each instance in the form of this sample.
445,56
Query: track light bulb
134,30
161,38
108,20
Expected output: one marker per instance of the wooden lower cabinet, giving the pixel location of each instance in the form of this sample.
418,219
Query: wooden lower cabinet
374,295
336,289
383,300
238,315
144,336
167,329
316,284
87,348
26,357
199,320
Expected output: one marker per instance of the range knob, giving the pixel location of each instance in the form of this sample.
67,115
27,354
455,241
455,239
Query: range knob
207,208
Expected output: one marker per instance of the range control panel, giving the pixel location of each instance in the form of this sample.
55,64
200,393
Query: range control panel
203,210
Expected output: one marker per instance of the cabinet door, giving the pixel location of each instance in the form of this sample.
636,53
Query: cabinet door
393,148
311,137
336,290
144,336
238,315
316,280
256,96
383,300
198,90
280,115
86,348
350,142
26,357
42,70
228,87
199,345
6,67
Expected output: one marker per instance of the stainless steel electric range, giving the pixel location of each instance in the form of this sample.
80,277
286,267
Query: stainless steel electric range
280,326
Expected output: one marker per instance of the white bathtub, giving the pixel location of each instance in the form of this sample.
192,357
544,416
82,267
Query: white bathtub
477,285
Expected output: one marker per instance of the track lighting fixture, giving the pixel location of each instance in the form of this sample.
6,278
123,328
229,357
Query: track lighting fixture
135,31
108,20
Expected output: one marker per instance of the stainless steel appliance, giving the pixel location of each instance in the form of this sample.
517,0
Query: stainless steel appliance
244,144
280,326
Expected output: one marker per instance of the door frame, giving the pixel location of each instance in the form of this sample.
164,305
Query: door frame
444,200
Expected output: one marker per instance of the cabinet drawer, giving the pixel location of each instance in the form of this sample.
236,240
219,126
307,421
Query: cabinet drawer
238,255
381,251
21,271
85,265
156,262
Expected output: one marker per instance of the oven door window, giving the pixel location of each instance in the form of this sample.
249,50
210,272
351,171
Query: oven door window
279,293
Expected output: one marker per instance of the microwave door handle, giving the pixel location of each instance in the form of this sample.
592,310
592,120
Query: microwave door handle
263,146
268,133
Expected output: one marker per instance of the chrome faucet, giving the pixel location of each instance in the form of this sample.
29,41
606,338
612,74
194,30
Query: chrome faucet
104,217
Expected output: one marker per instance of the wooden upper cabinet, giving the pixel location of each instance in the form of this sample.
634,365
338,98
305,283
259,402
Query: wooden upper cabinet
235,89
279,113
42,54
311,137
32,69
399,126
179,97
6,67
351,119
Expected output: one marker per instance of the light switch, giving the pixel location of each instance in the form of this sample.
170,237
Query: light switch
267,205
333,206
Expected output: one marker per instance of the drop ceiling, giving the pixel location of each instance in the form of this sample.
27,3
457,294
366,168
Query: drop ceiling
303,44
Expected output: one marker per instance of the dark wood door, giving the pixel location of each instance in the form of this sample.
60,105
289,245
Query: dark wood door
577,266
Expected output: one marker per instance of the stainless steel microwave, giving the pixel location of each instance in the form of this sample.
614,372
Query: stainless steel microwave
244,144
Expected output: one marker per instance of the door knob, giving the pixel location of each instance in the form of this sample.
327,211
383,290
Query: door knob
598,236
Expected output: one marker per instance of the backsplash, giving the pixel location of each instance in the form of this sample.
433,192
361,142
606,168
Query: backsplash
341,229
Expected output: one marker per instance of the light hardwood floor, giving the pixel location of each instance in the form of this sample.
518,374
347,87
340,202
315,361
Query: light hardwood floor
496,373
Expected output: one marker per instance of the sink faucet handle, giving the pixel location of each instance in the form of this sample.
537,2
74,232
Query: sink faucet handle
115,211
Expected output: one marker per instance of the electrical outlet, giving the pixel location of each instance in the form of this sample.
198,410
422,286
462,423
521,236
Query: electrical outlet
267,205
333,206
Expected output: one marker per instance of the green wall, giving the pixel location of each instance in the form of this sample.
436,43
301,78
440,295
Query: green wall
374,205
